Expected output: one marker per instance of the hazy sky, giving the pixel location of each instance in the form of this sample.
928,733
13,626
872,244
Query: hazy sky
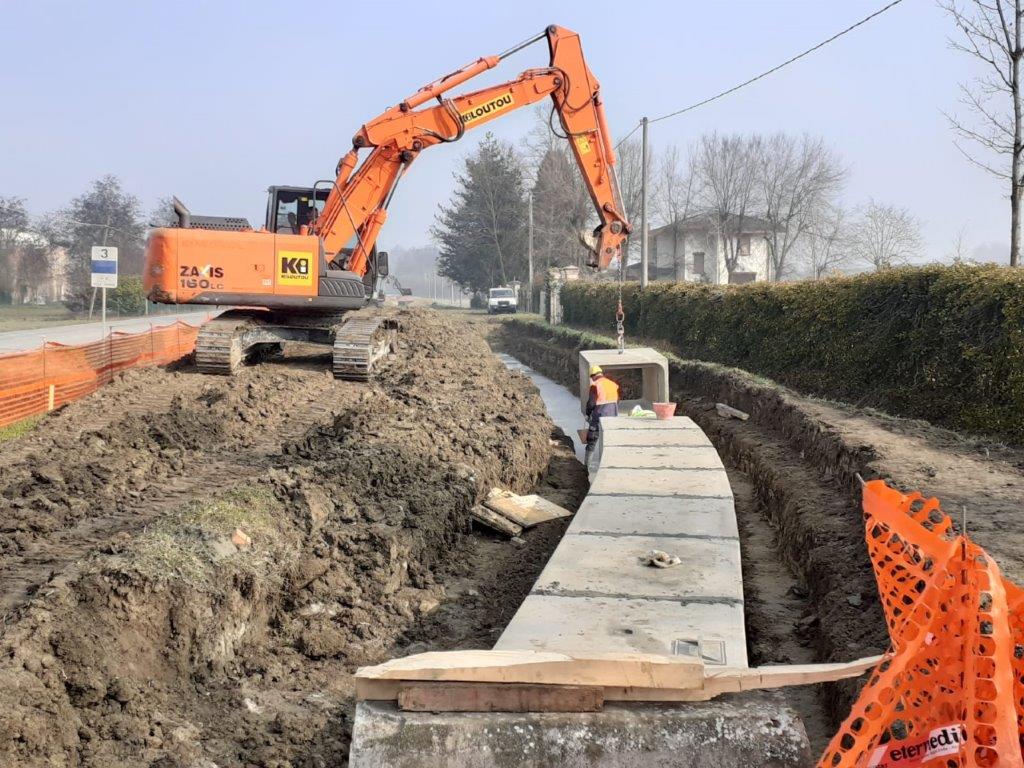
214,101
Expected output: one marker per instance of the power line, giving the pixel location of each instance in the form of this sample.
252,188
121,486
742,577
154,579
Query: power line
623,139
765,74
776,68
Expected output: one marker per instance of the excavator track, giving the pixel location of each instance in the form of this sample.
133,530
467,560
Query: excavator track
360,341
219,345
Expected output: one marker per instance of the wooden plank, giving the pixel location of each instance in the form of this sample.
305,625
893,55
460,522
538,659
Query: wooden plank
729,411
495,521
785,675
543,668
622,677
526,511
499,697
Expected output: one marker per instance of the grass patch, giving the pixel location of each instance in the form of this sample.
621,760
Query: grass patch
21,317
19,428
190,543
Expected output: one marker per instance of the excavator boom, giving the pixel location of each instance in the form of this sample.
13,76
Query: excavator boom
356,208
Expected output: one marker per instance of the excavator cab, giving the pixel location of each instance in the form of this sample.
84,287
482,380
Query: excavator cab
289,208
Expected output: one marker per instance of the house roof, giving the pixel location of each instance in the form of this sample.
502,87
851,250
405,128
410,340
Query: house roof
703,222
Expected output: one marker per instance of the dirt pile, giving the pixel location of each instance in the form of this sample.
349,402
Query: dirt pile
225,632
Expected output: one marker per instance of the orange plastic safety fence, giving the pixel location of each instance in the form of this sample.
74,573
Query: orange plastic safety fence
32,383
950,691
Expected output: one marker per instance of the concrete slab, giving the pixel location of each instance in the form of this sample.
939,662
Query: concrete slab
625,423
750,730
662,457
572,625
656,516
673,437
684,482
610,566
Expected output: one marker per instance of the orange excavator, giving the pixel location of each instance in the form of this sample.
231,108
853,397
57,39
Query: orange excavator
310,273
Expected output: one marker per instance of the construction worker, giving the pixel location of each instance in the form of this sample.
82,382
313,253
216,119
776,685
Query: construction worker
602,401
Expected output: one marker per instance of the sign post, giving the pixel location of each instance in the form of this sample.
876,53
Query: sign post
104,273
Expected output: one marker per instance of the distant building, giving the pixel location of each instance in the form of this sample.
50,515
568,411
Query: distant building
24,285
693,250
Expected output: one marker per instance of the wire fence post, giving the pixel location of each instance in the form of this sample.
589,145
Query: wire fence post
110,355
643,205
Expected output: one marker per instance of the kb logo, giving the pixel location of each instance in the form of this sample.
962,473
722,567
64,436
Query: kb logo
294,266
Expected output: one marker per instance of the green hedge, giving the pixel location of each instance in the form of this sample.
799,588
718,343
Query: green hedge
944,344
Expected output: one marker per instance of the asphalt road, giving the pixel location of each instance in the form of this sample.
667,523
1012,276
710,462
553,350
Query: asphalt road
84,333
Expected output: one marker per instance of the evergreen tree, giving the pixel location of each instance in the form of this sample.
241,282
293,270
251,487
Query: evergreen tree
481,235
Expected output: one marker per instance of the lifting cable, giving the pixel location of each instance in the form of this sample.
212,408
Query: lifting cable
620,314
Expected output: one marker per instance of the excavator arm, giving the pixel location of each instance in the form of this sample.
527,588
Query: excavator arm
356,207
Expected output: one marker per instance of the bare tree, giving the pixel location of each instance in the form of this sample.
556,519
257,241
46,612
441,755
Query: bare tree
885,235
958,252
825,245
795,178
990,31
163,214
675,194
725,166
630,171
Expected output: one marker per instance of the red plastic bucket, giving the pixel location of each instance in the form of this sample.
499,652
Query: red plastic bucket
664,410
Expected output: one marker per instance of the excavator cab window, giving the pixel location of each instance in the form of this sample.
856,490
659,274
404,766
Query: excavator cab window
289,208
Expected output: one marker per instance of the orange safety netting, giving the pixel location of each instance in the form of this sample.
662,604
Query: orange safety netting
32,383
950,691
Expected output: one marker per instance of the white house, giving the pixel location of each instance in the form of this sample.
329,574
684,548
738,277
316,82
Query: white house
25,287
694,250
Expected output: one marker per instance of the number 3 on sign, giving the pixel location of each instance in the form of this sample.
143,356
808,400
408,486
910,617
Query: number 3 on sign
104,266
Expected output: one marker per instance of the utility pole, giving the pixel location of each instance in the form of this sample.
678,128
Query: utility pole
529,258
643,205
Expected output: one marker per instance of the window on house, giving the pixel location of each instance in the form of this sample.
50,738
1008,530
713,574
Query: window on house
744,245
698,263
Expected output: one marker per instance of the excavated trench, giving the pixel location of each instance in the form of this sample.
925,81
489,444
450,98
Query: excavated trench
810,592
194,582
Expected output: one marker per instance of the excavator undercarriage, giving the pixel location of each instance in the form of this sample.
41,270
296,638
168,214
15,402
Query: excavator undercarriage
358,339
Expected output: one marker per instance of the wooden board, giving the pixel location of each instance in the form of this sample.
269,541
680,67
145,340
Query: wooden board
499,697
728,411
526,511
622,677
495,521
543,668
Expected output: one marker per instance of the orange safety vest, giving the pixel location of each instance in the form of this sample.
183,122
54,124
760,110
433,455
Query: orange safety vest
607,391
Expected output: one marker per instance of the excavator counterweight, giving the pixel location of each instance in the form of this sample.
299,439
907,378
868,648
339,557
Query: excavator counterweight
314,262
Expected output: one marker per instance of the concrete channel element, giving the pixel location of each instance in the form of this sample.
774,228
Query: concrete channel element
652,365
660,485
596,594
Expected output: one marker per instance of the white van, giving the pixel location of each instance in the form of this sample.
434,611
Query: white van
502,300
